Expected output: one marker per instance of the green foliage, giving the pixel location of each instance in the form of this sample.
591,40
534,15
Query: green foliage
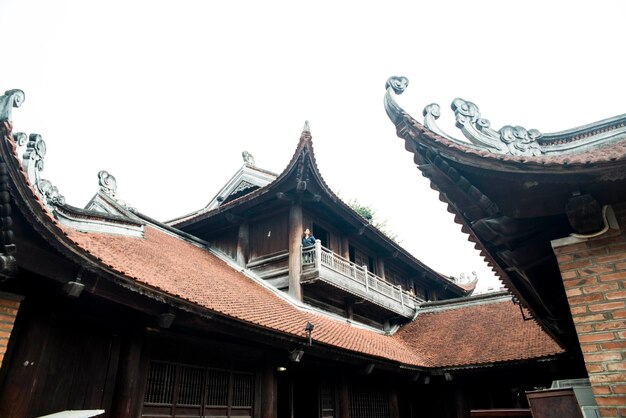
365,211
369,214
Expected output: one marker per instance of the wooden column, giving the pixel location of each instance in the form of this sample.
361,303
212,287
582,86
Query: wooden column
243,244
462,408
126,403
345,247
295,249
394,407
268,390
344,399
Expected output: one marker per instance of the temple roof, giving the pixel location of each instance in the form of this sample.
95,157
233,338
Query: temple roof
454,333
246,180
301,179
191,273
161,263
514,190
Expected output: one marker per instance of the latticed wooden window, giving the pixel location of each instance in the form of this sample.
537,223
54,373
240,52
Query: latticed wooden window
160,384
394,276
175,389
217,387
242,389
369,403
190,386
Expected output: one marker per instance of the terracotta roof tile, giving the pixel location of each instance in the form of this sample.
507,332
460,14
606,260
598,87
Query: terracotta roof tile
178,268
181,269
487,331
492,332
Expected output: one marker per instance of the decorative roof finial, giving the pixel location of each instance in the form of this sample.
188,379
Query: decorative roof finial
32,161
306,132
248,159
107,182
11,99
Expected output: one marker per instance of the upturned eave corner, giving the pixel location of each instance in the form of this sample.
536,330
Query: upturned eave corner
433,152
395,85
10,99
510,142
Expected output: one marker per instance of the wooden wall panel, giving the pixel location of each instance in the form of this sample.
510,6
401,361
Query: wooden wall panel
226,242
269,235
57,365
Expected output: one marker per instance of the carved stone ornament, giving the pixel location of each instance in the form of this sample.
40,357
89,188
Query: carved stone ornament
248,159
508,140
10,99
396,85
244,185
107,182
513,140
108,186
33,165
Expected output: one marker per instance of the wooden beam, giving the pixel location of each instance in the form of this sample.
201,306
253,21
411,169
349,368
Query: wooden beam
234,219
284,196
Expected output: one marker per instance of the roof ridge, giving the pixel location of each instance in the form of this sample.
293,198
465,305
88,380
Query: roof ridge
458,303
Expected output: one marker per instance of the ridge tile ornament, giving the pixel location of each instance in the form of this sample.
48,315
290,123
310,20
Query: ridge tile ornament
248,159
107,183
108,186
32,161
508,140
10,99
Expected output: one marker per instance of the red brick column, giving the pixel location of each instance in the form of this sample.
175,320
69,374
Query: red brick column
9,305
594,275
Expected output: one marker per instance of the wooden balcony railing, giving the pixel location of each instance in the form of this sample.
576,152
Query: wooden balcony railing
338,271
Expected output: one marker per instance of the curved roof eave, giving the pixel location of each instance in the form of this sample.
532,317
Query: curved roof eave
305,150
39,216
590,147
593,150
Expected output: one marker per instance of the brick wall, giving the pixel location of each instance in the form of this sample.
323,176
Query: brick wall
9,305
594,274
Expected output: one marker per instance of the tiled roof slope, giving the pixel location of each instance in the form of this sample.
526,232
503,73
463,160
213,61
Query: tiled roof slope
305,150
181,269
481,332
462,335
178,268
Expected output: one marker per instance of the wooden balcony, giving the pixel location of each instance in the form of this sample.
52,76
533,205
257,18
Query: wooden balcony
321,264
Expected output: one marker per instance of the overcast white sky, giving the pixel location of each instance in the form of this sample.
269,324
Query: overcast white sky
165,95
